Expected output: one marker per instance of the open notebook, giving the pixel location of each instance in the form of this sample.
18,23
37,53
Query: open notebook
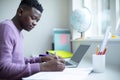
67,74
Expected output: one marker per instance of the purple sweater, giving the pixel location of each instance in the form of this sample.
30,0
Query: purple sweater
13,65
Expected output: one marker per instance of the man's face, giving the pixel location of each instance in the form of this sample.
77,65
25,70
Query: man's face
29,18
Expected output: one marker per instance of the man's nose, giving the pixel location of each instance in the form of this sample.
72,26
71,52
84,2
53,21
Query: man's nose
34,23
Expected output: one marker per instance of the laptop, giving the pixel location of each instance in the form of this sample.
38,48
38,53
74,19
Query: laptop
77,56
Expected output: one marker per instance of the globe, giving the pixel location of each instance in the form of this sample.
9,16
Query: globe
81,20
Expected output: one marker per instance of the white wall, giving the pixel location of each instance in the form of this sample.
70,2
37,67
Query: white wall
8,9
40,38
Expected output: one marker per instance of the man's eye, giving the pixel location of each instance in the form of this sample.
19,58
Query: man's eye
32,17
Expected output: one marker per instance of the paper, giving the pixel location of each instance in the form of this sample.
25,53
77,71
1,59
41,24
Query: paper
63,39
67,74
106,37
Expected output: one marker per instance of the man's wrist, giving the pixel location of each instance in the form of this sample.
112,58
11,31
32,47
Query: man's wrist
42,66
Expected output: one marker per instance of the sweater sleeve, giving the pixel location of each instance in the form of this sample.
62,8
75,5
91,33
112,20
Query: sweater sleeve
33,60
8,69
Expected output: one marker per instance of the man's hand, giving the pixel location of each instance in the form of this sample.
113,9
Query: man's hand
50,57
52,65
47,58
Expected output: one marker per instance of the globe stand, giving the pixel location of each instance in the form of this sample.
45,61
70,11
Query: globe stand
82,35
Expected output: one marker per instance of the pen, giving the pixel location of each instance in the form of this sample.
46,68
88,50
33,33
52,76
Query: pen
43,54
56,55
104,51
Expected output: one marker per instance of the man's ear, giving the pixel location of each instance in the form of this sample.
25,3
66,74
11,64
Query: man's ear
20,11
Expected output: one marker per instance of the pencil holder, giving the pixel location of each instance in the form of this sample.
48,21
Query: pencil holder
98,63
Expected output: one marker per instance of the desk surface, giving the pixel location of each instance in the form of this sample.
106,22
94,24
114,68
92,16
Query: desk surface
111,72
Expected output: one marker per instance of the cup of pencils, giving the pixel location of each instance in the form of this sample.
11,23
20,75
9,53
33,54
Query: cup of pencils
98,63
98,60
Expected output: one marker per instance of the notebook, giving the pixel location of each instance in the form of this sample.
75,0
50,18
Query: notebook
77,56
66,74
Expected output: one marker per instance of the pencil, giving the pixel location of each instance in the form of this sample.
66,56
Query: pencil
97,49
104,51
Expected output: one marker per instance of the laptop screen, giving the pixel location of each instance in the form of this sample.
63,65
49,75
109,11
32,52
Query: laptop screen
79,53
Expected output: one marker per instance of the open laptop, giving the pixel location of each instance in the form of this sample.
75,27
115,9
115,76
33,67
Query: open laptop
77,56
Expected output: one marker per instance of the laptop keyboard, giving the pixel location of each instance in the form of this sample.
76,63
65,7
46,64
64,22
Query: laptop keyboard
67,63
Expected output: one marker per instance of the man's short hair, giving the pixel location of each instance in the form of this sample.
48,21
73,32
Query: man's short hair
32,3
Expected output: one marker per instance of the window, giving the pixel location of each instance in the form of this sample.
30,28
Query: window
104,13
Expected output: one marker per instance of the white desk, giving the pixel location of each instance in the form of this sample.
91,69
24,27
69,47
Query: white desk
111,72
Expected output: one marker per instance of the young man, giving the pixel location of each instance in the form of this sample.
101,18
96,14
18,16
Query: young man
13,65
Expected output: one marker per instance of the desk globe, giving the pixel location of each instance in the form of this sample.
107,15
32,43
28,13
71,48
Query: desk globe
81,20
